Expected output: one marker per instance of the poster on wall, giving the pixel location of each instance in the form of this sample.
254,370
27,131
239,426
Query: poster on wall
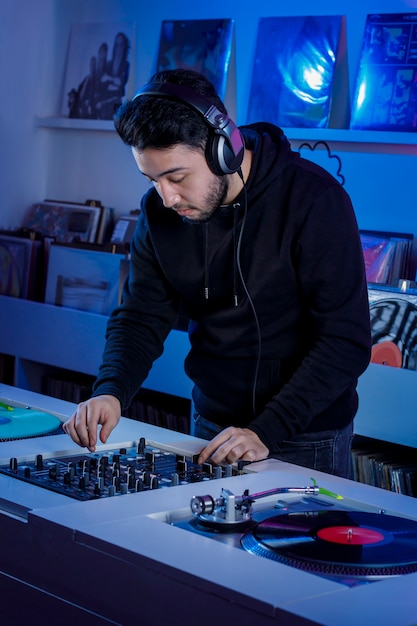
386,87
201,45
300,76
97,70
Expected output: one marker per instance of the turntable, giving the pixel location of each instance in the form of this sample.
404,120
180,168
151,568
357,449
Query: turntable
21,422
310,532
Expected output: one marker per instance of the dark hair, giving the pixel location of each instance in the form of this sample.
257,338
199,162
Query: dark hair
158,122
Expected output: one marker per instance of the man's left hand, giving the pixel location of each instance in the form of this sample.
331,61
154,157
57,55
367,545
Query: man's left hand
233,444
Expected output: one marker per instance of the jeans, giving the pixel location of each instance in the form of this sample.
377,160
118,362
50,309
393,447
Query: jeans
327,451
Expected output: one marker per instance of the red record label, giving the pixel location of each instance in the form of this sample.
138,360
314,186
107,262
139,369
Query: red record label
350,535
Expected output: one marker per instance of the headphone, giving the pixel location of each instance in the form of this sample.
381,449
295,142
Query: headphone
225,146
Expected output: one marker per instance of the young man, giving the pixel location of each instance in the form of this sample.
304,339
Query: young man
261,248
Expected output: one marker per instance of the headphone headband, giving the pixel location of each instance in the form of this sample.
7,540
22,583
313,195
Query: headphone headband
218,121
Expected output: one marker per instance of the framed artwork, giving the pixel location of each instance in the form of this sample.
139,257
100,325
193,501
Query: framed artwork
83,279
97,70
201,45
64,221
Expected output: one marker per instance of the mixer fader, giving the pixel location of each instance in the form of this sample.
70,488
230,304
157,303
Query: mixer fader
87,476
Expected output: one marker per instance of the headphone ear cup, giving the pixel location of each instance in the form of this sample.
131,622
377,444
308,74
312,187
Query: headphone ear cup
212,153
220,157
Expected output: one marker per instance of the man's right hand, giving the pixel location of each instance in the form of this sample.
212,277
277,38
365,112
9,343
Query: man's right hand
82,426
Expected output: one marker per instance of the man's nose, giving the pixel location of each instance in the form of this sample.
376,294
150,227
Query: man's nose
169,196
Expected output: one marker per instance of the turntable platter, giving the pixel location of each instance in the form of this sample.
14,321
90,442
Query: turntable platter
21,423
337,542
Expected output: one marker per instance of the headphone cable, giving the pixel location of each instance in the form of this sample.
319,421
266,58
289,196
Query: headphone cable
255,315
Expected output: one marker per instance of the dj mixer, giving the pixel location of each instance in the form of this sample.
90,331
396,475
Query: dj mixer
139,532
117,471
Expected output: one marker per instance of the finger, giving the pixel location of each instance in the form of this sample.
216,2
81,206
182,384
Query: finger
211,447
105,431
225,452
86,426
69,428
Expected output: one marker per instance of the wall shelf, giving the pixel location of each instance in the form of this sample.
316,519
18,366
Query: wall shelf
342,135
351,136
67,123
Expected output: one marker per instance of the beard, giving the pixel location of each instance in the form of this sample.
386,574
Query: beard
216,195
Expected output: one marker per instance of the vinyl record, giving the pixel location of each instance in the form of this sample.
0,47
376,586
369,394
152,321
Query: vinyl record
21,423
337,542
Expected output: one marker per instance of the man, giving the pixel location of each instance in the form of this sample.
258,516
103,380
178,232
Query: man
261,249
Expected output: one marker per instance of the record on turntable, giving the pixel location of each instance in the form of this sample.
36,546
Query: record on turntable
337,542
25,422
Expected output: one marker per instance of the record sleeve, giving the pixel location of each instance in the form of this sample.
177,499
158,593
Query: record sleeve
299,72
386,87
204,46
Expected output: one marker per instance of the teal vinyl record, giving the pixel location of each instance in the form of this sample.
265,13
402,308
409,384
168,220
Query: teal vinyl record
21,422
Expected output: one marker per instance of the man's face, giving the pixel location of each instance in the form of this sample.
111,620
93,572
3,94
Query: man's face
183,180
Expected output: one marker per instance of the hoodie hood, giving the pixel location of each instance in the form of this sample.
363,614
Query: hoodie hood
271,154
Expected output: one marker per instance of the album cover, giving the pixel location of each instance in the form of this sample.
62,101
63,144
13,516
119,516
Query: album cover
300,73
386,88
64,221
201,45
79,278
97,70
393,315
16,260
387,255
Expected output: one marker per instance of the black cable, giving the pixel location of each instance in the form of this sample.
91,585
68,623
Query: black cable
255,315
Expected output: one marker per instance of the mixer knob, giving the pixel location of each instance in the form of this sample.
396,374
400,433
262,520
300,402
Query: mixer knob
13,464
217,471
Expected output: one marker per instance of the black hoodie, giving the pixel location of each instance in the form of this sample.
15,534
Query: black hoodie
275,288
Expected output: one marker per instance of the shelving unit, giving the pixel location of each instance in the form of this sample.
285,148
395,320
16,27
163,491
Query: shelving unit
45,337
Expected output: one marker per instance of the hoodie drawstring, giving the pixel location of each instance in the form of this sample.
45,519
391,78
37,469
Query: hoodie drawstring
235,259
235,220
